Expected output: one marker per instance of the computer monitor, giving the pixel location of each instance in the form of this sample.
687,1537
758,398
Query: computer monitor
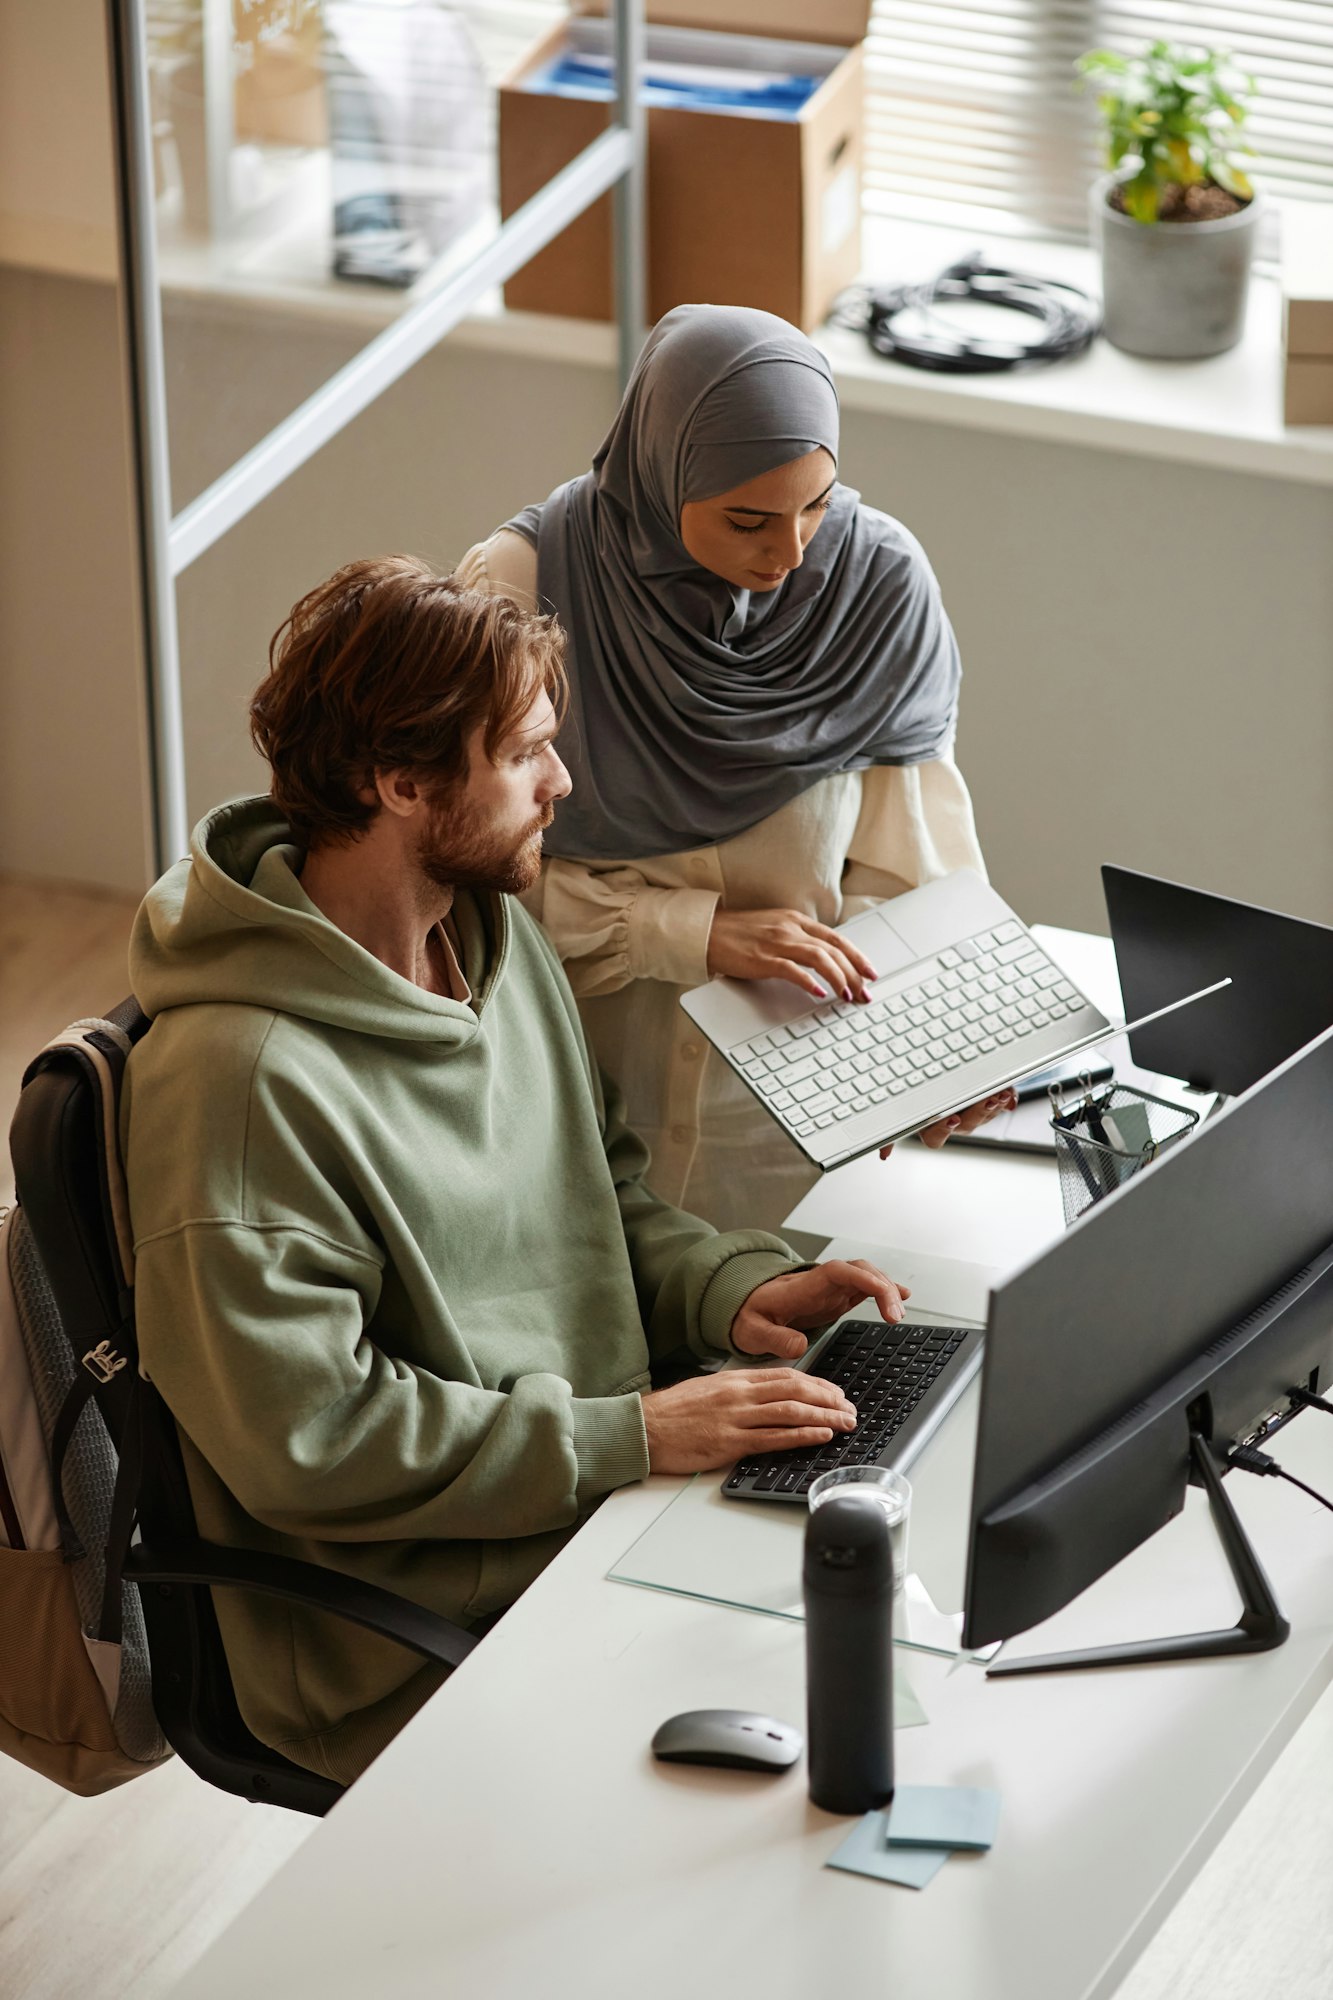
1173,1321
1171,940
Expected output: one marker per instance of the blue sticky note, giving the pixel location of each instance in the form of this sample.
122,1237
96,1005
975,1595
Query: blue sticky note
949,1816
865,1851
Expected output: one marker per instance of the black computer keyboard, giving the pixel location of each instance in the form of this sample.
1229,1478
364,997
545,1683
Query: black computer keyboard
894,1376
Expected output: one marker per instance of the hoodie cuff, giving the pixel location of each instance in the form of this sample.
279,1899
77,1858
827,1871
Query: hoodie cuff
731,1286
610,1444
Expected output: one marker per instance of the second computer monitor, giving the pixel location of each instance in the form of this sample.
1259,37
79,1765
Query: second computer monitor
1171,940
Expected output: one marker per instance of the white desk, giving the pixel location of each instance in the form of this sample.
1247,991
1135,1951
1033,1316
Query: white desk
518,1840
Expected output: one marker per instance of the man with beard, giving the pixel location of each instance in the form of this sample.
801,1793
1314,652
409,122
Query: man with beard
399,1277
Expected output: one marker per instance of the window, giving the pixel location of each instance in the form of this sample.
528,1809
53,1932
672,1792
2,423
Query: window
974,118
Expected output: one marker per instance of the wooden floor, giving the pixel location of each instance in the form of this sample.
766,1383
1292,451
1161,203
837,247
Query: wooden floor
112,1898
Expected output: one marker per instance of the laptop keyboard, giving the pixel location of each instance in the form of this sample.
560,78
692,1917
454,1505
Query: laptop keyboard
885,1371
988,991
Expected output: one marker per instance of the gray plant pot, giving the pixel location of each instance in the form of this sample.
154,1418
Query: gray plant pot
1173,289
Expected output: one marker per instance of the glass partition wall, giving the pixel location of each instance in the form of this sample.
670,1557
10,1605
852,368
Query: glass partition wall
308,205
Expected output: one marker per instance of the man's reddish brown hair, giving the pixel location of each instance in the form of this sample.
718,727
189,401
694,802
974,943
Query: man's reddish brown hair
388,666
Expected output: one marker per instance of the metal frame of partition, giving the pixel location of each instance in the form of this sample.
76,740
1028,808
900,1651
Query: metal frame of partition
169,544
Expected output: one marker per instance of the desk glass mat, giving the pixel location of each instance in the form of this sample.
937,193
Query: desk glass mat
747,1555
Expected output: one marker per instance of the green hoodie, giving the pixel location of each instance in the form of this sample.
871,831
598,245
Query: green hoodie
399,1278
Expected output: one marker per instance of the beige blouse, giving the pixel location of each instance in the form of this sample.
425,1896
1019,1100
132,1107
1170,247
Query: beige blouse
633,936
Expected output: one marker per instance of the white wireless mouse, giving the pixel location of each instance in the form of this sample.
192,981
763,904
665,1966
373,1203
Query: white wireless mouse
730,1736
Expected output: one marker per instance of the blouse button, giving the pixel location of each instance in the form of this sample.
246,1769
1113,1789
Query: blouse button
689,1050
680,1133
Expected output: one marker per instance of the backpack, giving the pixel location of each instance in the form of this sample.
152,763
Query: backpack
75,1692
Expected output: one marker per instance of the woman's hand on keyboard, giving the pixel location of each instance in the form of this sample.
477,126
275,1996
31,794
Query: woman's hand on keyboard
935,1135
771,1319
710,1420
784,944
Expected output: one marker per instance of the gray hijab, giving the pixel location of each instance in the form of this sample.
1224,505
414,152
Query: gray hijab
696,708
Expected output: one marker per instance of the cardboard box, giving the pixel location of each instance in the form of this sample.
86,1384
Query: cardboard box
743,208
1308,389
1307,312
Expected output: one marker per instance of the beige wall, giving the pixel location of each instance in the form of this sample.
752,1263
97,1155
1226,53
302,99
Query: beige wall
56,206
72,758
1149,660
72,778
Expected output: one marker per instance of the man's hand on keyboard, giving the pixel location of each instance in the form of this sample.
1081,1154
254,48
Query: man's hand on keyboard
935,1135
771,1319
709,1420
785,944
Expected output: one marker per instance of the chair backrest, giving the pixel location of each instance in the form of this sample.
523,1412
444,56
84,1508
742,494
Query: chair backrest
66,1164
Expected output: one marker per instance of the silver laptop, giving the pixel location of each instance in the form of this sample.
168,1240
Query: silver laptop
966,1002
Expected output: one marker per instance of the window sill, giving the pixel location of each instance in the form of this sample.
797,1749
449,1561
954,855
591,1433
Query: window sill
1224,412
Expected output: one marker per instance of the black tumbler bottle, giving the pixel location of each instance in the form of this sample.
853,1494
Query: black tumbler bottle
849,1655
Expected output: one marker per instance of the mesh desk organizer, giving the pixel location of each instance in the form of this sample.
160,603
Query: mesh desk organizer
1107,1136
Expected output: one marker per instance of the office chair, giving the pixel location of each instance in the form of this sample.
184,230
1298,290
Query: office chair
64,1166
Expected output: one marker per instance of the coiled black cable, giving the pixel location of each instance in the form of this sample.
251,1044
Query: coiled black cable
1070,319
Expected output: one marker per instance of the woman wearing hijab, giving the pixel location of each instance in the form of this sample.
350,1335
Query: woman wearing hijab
764,690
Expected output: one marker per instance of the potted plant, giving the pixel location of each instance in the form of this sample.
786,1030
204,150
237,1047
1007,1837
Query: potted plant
1175,217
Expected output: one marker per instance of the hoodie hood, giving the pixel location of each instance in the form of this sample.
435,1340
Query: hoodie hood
233,926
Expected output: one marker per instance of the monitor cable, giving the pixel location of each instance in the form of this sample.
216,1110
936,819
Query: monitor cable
1249,1460
1308,1399
1070,320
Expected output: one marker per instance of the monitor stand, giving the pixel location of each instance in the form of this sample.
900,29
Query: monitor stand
1259,1628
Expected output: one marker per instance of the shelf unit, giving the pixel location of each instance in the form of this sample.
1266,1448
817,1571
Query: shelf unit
169,543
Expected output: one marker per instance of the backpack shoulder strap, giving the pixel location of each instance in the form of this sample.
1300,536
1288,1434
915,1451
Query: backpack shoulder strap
98,1049
102,1049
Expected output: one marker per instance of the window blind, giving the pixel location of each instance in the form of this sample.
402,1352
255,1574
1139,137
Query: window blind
973,114
974,117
